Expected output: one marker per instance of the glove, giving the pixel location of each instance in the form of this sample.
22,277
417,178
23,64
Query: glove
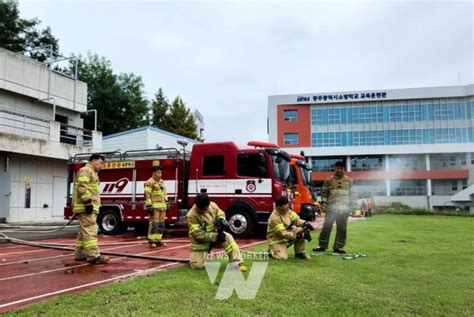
221,224
307,235
151,211
221,236
308,227
89,209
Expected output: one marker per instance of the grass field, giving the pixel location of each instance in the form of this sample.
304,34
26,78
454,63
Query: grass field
416,265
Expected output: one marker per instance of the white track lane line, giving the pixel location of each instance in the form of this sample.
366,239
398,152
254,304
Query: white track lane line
21,252
13,246
64,255
117,258
56,256
77,287
67,255
102,281
81,265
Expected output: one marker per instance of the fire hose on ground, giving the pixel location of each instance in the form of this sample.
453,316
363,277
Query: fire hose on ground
57,247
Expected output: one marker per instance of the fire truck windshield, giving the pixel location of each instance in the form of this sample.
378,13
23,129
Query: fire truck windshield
281,169
305,175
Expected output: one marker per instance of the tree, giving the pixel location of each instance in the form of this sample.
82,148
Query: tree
20,35
181,120
160,108
118,99
175,118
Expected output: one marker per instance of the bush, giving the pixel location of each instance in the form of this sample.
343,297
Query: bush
402,209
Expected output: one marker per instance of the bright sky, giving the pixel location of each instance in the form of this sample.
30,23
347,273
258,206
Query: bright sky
225,58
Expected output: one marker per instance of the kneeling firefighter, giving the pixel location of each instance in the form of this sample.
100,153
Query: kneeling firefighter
286,228
206,222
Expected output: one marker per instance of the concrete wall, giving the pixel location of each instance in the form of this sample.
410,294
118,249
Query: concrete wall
25,105
30,78
50,148
47,177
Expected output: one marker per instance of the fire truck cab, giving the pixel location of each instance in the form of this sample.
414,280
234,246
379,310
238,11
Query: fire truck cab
242,180
305,194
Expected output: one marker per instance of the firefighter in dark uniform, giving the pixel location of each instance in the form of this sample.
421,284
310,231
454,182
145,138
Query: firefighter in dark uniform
156,200
337,201
86,207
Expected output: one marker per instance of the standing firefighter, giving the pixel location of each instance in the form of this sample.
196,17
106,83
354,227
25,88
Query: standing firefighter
286,228
338,200
156,199
206,222
86,207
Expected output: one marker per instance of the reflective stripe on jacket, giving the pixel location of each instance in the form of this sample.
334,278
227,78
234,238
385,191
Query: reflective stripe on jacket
155,193
202,228
278,225
87,187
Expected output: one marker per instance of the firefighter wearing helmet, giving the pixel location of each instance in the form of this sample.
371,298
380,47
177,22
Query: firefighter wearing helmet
286,228
86,207
156,200
206,222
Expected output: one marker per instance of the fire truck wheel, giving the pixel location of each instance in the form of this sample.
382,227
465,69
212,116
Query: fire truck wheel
241,223
110,222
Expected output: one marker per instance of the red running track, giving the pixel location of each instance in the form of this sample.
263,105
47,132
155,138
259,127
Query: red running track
30,274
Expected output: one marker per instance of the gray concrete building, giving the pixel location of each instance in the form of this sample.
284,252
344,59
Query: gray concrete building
40,128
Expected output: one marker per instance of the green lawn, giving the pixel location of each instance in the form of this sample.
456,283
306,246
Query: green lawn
416,265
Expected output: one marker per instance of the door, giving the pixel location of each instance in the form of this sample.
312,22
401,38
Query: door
5,193
59,195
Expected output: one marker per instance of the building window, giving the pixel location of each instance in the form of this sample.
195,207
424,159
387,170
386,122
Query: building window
464,183
325,164
290,115
290,138
213,166
408,188
454,185
407,162
367,163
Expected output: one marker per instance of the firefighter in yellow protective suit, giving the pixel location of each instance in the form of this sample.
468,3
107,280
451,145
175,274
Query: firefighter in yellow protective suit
206,222
284,229
86,207
156,199
338,200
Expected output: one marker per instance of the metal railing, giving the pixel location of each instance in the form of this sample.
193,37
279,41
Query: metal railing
24,124
75,136
28,125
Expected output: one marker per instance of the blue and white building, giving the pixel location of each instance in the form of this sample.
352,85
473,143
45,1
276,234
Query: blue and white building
412,145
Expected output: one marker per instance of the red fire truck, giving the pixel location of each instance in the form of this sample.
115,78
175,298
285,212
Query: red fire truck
243,180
